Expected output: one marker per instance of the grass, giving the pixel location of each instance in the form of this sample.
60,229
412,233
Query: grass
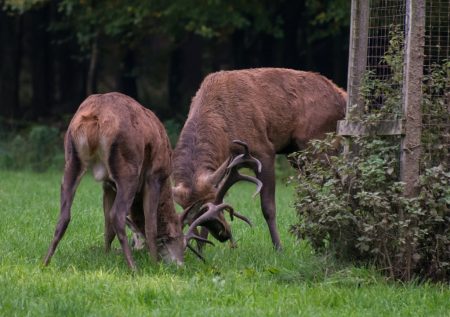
252,280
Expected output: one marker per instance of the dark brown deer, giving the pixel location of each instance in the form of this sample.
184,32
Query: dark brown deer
128,150
272,110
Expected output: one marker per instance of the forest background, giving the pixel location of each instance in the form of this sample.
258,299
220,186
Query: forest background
55,53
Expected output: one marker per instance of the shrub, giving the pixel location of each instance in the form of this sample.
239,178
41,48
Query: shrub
37,148
355,208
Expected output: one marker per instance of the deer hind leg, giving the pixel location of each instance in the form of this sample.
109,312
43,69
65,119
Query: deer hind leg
126,190
73,172
150,205
109,194
267,177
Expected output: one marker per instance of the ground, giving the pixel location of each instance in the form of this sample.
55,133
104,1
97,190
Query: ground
252,280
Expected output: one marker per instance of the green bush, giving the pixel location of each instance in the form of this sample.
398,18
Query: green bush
355,208
37,148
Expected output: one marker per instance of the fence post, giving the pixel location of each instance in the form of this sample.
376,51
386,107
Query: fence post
358,53
412,96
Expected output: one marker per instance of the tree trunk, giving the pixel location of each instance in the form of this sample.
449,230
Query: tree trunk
38,51
191,73
290,11
185,74
174,80
10,60
240,52
68,88
340,60
126,82
91,80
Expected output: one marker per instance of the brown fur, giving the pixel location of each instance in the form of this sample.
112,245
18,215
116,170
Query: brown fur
129,151
273,110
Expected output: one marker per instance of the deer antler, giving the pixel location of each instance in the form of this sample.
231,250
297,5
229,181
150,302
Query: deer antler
230,177
232,174
246,157
211,213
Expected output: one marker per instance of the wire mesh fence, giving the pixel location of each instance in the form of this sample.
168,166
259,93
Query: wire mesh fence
436,85
384,66
390,49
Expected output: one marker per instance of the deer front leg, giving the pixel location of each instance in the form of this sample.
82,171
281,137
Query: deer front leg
72,175
151,202
204,234
109,195
267,177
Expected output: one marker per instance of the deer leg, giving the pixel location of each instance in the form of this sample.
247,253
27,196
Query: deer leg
126,190
109,195
72,174
204,234
267,177
151,203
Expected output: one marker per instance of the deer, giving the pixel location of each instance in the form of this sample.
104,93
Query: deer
128,150
243,118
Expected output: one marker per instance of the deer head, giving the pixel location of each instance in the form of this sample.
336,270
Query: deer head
207,210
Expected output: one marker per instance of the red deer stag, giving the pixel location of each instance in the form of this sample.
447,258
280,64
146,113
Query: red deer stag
272,110
128,150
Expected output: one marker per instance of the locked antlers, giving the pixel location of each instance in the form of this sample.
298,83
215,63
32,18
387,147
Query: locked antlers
232,174
210,211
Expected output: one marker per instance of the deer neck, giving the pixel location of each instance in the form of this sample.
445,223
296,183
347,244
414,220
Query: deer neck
199,153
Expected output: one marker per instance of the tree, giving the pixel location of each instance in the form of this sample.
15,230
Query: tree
157,50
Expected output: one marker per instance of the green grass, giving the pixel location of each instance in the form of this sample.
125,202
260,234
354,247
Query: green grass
252,280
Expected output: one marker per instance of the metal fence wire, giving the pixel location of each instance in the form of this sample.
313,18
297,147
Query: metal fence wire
436,85
384,82
384,62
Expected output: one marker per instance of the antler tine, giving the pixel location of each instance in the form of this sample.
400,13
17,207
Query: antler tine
245,158
232,177
211,212
190,235
258,183
184,215
187,212
196,253
234,213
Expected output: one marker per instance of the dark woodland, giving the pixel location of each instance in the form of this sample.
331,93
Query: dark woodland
55,53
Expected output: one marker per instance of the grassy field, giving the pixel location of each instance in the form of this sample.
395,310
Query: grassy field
252,280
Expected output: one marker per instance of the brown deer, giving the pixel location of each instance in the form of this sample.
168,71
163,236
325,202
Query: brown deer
128,150
273,110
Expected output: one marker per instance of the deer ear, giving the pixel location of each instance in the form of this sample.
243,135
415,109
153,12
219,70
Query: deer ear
216,177
180,194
